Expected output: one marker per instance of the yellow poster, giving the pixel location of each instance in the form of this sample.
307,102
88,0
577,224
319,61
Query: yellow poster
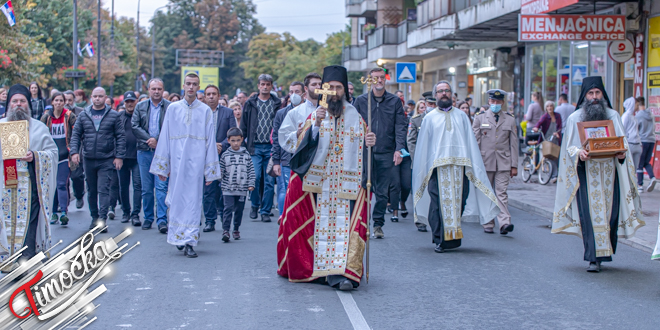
654,42
654,80
207,76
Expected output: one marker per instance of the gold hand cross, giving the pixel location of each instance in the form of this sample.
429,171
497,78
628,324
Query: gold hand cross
325,92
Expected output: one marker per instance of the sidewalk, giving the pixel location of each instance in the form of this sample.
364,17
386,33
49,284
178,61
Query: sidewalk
538,199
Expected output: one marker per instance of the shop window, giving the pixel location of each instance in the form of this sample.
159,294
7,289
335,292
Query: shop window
537,69
550,67
598,63
580,61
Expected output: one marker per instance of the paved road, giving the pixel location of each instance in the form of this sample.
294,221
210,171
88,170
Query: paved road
530,279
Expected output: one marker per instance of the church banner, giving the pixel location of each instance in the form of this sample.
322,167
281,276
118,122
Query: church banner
571,27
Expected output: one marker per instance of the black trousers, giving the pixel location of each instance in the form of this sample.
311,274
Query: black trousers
645,162
384,175
400,192
435,214
232,204
113,186
212,201
97,174
35,209
588,238
78,180
128,170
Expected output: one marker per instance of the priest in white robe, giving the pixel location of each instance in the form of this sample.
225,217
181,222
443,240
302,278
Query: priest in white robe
187,154
28,188
448,162
294,120
597,199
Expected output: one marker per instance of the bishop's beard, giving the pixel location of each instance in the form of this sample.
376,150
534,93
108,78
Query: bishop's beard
17,113
335,107
594,110
444,103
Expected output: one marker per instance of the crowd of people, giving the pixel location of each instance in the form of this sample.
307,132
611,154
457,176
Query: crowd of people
200,155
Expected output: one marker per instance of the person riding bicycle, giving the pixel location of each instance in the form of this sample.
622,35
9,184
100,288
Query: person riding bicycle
550,124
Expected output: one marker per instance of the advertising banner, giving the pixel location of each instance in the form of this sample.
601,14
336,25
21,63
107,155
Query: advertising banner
571,27
207,76
543,6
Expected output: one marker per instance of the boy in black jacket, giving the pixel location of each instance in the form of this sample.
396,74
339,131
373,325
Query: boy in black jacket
238,178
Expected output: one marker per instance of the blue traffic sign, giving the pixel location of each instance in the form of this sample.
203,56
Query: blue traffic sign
406,72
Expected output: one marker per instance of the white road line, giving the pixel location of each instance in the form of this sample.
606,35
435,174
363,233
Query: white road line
353,311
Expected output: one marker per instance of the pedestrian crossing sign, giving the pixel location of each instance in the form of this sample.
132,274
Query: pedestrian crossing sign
406,72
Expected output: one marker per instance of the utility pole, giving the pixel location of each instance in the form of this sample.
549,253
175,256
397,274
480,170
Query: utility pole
153,42
137,48
75,41
98,46
112,44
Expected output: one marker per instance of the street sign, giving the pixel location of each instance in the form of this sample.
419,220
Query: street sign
203,58
406,73
74,74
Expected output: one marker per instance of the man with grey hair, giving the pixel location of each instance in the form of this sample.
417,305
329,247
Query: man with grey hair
448,161
147,121
257,125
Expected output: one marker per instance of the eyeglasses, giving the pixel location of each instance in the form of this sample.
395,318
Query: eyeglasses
445,91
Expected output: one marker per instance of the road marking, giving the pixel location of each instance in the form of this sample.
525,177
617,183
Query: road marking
353,311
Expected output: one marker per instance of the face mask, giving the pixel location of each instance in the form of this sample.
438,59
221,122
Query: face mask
495,108
295,99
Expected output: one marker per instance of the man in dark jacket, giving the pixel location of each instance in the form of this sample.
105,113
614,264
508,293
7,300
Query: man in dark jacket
77,175
147,122
388,121
223,118
99,131
281,158
257,125
131,167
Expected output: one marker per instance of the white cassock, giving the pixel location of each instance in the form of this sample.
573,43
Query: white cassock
187,153
16,202
296,117
446,142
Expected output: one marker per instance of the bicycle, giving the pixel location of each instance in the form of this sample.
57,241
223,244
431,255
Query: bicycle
529,165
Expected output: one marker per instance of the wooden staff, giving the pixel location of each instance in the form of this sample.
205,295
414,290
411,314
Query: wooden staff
368,81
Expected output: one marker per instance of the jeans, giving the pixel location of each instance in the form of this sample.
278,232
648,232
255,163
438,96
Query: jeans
97,174
282,185
148,182
78,180
62,194
260,160
130,168
234,204
645,162
213,203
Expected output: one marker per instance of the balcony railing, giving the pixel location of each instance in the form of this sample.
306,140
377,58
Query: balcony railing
384,35
431,10
355,52
354,2
402,30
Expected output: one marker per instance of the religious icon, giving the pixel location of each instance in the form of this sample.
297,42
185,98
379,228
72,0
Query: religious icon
599,138
14,139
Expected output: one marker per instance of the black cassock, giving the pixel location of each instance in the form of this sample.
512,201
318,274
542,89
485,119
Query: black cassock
435,212
582,197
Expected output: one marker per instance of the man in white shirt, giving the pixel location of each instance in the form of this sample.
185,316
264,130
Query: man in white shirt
564,109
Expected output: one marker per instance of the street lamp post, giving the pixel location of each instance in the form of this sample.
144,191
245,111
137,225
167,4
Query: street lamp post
98,46
137,49
153,42
112,43
75,41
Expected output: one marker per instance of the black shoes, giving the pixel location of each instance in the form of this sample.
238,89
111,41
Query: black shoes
136,221
439,249
253,212
345,285
208,228
225,236
189,252
594,267
265,218
125,218
180,247
506,229
80,203
146,225
421,227
162,228
111,214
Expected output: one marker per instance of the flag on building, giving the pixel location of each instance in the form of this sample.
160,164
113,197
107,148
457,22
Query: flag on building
79,50
8,10
90,49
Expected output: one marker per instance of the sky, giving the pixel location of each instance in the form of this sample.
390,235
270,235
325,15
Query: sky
304,19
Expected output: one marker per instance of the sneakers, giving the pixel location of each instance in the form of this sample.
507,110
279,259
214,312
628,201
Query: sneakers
80,203
594,267
111,214
378,232
64,220
253,212
265,218
54,219
237,235
225,236
651,185
125,218
162,228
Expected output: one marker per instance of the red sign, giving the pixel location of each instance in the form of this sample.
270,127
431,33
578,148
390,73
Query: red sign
638,84
571,27
543,6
